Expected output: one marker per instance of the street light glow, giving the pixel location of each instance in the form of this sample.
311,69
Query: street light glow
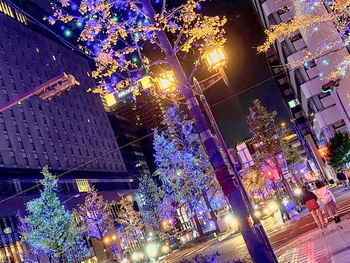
167,82
106,240
152,250
215,58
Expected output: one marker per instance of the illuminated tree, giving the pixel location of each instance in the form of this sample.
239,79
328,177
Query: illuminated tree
254,182
182,164
339,150
126,37
129,218
49,228
95,215
309,15
266,139
150,196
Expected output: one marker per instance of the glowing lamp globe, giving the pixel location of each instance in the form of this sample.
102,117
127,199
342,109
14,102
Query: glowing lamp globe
146,82
106,240
152,249
215,58
167,82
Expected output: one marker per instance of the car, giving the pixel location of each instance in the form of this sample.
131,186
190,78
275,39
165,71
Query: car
265,209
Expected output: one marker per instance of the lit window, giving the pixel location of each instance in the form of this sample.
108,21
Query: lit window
293,103
83,185
7,230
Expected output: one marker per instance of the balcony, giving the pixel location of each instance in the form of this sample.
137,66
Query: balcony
271,6
312,87
327,117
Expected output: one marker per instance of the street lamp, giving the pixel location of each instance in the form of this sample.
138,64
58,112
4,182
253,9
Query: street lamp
215,58
110,99
106,240
166,83
146,82
253,231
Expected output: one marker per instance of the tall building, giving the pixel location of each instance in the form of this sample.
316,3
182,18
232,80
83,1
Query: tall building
316,115
132,150
328,113
71,131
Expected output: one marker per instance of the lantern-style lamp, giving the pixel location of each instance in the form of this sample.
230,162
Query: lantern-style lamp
167,82
215,58
109,101
146,82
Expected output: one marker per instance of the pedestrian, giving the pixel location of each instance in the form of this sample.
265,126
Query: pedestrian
310,200
343,179
327,199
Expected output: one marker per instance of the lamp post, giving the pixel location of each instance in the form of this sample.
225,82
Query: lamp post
216,59
253,234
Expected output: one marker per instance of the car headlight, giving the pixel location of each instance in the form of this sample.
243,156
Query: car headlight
165,249
266,211
257,214
273,206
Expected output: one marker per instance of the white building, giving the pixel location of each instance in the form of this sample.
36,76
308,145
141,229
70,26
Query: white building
327,112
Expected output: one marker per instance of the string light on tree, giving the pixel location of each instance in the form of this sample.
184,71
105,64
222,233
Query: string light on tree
310,15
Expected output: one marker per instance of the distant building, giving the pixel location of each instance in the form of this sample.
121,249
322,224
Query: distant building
131,145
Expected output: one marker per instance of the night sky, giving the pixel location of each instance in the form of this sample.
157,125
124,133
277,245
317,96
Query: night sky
245,69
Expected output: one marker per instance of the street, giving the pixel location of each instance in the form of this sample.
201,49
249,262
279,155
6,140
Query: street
279,235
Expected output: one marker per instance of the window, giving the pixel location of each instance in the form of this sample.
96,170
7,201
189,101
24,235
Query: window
293,103
309,64
83,185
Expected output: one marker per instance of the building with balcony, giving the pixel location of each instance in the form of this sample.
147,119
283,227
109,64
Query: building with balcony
326,113
316,115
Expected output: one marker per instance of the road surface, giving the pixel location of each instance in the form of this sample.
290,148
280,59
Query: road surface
279,235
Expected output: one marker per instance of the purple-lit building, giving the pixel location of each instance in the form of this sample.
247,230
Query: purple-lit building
63,133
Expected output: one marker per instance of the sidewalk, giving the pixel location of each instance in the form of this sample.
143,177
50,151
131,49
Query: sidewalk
330,246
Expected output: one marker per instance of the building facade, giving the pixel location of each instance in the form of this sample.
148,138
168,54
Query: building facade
327,113
71,133
131,145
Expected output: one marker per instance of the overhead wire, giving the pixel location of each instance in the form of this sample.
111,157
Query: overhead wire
79,166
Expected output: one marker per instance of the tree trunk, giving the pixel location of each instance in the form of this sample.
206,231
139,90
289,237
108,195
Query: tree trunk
196,221
212,213
253,234
284,181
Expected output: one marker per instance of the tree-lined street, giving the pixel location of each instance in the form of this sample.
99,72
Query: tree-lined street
120,144
280,235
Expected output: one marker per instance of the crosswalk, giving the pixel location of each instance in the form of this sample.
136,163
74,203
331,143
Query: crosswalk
329,246
306,252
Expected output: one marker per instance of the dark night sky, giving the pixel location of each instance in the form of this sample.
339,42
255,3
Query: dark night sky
245,68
